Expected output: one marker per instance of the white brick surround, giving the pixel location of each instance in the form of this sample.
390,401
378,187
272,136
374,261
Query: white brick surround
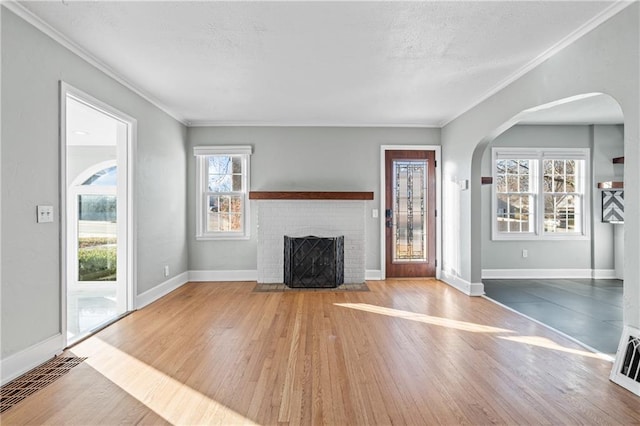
300,218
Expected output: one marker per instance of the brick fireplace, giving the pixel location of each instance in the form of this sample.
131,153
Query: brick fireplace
311,213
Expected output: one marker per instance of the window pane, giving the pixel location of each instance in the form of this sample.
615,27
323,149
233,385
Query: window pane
571,183
571,167
225,213
524,167
213,222
97,238
561,176
503,204
501,166
225,204
237,183
220,183
236,204
219,165
513,175
225,173
561,214
237,165
514,213
235,222
105,177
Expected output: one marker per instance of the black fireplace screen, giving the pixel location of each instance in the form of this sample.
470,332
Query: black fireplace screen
313,261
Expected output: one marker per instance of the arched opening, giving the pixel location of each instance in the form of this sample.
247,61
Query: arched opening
549,239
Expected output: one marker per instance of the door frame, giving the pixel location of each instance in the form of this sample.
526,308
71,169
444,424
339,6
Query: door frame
383,202
129,158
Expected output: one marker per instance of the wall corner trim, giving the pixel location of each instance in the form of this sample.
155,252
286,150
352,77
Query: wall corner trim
20,362
161,289
240,275
464,286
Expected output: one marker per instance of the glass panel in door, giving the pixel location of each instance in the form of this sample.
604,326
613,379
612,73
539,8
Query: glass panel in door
409,203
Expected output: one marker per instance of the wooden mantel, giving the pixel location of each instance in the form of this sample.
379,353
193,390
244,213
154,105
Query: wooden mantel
309,195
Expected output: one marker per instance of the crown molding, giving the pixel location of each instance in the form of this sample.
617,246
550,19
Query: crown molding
24,13
213,123
581,31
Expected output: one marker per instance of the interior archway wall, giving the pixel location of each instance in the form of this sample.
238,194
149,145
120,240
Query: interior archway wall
606,142
606,60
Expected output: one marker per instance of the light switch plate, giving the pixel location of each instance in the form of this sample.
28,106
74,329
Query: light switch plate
45,214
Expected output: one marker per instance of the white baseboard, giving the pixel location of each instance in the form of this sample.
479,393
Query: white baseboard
162,289
247,275
470,289
372,275
19,363
547,273
604,274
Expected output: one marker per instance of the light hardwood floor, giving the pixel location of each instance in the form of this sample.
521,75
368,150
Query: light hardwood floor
407,352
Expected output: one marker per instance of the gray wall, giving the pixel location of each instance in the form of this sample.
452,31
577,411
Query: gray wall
604,142
32,65
605,60
607,143
297,158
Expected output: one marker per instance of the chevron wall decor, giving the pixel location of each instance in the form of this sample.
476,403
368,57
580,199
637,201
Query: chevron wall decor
613,206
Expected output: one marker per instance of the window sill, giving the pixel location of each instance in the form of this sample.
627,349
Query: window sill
541,238
222,237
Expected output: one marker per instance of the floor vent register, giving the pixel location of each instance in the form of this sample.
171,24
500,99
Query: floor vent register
626,369
38,378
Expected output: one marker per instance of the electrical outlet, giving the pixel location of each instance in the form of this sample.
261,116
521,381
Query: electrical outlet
374,213
44,214
525,253
166,270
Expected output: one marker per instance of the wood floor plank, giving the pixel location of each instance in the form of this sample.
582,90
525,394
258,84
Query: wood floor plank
406,352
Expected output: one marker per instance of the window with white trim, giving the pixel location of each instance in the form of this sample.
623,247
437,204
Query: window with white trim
222,192
540,193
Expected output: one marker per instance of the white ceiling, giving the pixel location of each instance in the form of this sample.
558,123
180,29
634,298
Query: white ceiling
319,63
88,127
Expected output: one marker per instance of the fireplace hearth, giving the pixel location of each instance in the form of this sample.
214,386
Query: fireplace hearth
313,262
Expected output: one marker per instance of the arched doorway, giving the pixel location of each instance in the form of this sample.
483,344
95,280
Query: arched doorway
571,283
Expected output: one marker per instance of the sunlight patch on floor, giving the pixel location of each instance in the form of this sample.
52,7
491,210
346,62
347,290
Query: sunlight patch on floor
543,342
427,319
172,400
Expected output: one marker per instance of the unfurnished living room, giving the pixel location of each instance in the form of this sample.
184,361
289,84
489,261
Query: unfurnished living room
320,212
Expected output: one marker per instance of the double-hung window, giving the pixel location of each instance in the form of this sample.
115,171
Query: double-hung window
222,185
540,193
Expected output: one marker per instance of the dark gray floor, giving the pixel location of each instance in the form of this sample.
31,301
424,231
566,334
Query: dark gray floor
588,310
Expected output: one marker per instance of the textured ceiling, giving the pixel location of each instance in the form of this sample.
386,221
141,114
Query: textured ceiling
317,63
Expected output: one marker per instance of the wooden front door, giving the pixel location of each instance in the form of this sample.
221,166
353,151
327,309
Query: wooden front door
410,213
